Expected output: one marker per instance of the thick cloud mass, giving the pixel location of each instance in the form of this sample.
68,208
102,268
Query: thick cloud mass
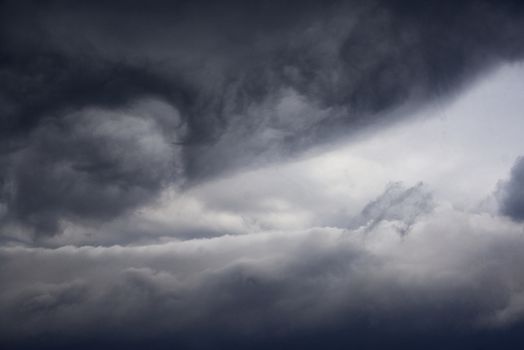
249,80
92,164
329,284
165,180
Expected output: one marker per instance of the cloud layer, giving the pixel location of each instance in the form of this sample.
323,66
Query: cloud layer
256,174
454,274
247,82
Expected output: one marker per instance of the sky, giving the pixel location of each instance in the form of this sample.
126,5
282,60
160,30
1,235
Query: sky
259,174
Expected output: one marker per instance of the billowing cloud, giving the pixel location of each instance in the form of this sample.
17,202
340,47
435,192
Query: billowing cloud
260,174
251,82
91,165
456,273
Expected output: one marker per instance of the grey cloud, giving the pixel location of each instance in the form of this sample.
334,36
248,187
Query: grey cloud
48,298
107,106
510,193
41,85
252,81
92,164
398,204
277,286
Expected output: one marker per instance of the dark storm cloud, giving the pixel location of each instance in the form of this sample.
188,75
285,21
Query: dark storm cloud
105,104
250,80
37,85
92,164
511,193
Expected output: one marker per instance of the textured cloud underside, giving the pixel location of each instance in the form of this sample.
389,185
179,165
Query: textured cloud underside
261,174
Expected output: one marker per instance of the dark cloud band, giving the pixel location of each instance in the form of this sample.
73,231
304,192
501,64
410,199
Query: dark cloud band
228,69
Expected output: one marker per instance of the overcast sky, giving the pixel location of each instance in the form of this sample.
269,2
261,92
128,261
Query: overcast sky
261,174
